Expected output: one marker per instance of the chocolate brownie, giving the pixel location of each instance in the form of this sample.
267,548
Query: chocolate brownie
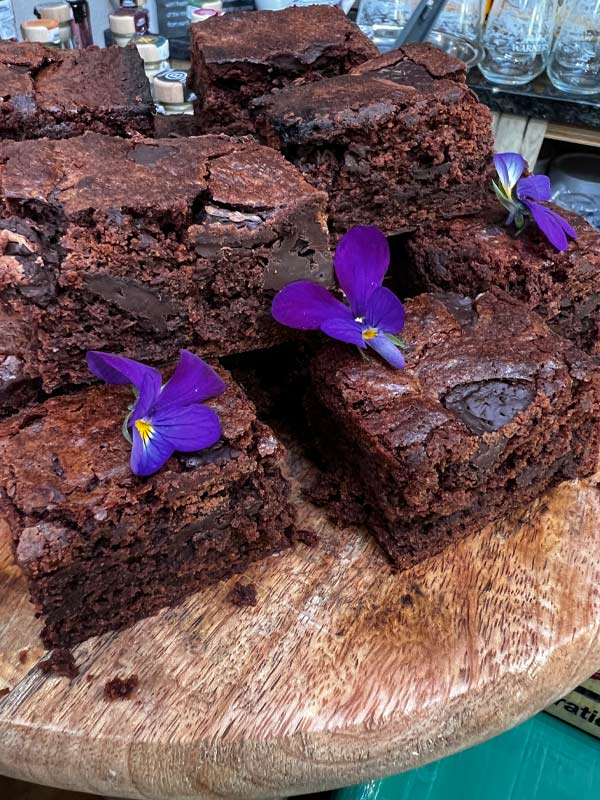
471,254
399,141
101,547
492,409
144,247
61,93
240,56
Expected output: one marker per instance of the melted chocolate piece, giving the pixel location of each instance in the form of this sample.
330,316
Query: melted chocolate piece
148,154
489,405
134,298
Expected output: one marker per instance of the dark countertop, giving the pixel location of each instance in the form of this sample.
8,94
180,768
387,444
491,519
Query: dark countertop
538,99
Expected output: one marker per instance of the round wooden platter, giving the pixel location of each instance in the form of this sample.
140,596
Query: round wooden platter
343,672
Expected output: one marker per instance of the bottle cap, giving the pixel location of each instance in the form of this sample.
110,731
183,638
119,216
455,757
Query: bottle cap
44,31
122,23
202,14
152,48
170,87
58,11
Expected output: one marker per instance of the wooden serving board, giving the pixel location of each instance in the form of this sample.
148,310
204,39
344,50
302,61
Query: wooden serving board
343,672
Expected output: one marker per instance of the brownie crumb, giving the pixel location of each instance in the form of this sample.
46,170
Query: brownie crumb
120,688
5,691
23,656
60,662
309,538
243,594
407,600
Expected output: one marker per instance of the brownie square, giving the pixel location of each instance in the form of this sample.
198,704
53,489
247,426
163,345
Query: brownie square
469,255
400,140
492,409
102,547
240,56
144,247
61,93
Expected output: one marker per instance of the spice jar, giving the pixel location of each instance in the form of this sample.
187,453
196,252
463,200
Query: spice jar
171,93
60,12
42,31
154,52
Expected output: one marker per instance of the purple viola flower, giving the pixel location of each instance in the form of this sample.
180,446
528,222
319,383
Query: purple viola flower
530,193
168,417
374,315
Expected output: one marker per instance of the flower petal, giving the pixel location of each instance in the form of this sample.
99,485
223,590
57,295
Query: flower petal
306,306
534,187
387,350
192,382
554,227
510,167
145,400
361,260
121,371
346,330
187,428
149,458
385,311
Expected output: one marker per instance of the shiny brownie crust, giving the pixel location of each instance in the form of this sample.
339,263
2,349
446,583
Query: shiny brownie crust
144,247
492,409
60,93
400,140
238,57
102,548
471,254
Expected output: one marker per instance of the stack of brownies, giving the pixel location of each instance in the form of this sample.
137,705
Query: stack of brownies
114,241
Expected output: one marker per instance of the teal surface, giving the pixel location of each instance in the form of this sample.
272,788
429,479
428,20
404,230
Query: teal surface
542,758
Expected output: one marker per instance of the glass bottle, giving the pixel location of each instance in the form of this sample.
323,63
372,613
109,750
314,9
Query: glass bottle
82,27
154,52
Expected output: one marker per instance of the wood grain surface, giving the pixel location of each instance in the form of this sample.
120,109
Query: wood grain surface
343,672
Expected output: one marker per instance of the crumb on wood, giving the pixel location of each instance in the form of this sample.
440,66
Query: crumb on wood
309,538
5,691
120,688
60,662
23,656
243,594
407,600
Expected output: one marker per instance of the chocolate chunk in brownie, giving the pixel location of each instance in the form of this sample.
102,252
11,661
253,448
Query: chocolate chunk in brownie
121,688
60,662
243,594
240,56
471,254
61,93
101,547
145,247
400,140
492,409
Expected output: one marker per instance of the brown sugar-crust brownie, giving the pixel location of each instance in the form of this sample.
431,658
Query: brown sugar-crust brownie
400,140
469,255
144,247
240,56
57,93
492,409
101,547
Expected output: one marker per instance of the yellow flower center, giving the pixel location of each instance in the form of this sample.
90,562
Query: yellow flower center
369,333
145,430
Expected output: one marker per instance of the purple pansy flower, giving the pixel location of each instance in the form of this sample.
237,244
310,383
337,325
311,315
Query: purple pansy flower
164,418
374,316
530,193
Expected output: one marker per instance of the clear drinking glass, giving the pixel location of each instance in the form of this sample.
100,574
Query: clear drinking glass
517,40
461,18
383,20
574,64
